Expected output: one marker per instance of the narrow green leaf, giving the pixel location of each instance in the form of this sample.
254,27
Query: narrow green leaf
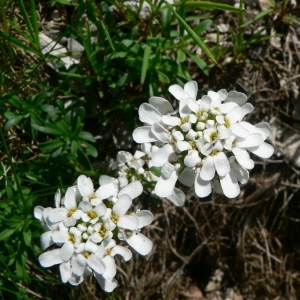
51,145
6,233
35,24
84,135
194,36
208,5
49,129
106,32
257,17
13,121
200,62
16,43
26,19
146,57
27,237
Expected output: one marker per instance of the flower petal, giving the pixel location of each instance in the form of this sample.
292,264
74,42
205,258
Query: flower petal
107,284
237,97
133,189
252,140
79,265
66,251
70,199
46,239
149,114
208,169
221,163
110,267
178,92
140,243
85,185
160,132
163,105
122,205
243,158
105,191
165,186
191,88
264,150
230,186
177,197
50,258
187,177
124,252
57,214
144,135
128,222
96,263
145,217
202,187
65,271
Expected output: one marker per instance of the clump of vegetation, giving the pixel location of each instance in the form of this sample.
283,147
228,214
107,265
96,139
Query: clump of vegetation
73,74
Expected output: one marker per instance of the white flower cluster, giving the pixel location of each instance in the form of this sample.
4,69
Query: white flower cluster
132,168
205,143
83,227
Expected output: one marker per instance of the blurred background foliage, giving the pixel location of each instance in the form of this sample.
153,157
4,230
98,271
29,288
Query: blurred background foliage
72,75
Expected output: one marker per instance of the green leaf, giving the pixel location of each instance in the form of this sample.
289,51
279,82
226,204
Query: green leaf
51,145
6,233
106,32
257,17
90,150
208,5
13,121
200,62
74,147
156,171
122,80
9,114
49,129
203,26
146,57
181,56
16,102
84,135
163,77
27,237
194,36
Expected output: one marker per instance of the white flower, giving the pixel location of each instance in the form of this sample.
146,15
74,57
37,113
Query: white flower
108,250
86,189
215,160
194,144
69,214
117,215
86,257
92,214
134,238
229,182
151,115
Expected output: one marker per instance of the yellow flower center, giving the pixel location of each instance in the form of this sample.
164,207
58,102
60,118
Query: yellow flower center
71,212
213,136
72,238
115,217
108,251
226,122
214,153
86,254
92,214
